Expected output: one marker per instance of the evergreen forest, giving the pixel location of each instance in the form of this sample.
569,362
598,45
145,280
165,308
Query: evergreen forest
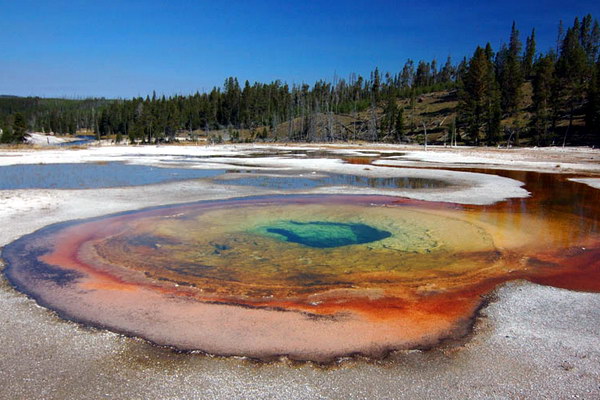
512,95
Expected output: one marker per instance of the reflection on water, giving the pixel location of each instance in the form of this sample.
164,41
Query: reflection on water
92,176
296,182
115,174
573,207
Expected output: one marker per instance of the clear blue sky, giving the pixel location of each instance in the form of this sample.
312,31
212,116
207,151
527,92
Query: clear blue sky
119,48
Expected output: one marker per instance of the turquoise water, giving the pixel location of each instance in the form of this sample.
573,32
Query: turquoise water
325,234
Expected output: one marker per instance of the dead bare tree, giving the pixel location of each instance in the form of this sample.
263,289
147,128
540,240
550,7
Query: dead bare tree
330,127
372,124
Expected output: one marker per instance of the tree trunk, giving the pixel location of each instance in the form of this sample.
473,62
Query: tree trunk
569,127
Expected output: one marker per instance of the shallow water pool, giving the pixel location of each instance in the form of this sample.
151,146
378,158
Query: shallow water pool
93,175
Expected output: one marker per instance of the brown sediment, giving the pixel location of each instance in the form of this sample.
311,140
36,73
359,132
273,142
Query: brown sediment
359,160
364,299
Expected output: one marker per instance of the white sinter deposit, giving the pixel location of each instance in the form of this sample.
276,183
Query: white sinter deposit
464,187
593,182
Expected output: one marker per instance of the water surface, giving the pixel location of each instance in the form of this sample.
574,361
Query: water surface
116,174
93,175
81,140
324,234
330,179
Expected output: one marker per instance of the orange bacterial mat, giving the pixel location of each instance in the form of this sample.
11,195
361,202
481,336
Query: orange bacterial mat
310,277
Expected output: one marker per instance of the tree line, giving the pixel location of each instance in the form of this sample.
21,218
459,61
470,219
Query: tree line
234,106
63,116
506,95
564,85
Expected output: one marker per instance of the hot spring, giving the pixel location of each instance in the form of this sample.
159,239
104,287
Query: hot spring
312,277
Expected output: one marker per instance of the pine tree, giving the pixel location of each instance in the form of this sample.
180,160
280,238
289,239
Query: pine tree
479,99
594,43
6,136
493,111
461,69
376,84
560,36
592,115
412,104
433,73
543,81
572,70
388,119
511,75
389,116
494,114
19,131
447,72
529,55
423,75
408,74
399,125
589,37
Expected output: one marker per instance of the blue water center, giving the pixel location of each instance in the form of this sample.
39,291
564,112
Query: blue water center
324,234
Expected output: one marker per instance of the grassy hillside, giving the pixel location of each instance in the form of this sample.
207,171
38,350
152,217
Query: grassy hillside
436,111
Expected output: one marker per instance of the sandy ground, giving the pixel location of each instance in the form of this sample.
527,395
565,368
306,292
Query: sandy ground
529,342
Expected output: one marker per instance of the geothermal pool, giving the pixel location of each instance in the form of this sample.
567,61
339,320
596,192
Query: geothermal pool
311,277
117,174
93,175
